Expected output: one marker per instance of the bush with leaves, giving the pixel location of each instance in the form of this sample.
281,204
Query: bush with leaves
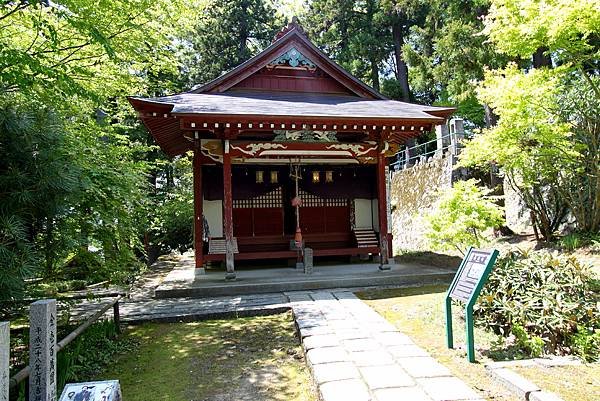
539,295
463,214
173,218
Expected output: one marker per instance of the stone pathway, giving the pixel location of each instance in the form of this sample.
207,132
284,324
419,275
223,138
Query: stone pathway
186,309
357,355
353,352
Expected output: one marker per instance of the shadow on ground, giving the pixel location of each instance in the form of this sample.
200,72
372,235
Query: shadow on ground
430,259
376,294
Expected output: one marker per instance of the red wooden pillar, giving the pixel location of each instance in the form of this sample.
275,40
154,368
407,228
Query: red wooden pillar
198,220
382,208
228,212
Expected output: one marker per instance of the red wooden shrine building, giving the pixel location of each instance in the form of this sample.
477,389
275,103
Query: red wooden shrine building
287,124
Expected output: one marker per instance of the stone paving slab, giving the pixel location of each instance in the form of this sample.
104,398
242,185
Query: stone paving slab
401,393
327,355
423,366
387,376
325,340
377,357
335,371
355,354
406,351
361,344
345,390
448,389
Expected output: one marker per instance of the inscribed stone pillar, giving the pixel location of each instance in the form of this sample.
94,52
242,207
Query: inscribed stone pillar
443,140
457,132
308,260
42,350
4,354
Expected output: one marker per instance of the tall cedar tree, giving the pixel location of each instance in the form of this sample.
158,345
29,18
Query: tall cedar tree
226,34
354,33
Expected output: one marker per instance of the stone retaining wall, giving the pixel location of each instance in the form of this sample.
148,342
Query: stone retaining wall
413,195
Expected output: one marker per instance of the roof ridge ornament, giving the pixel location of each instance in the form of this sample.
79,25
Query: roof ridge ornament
294,24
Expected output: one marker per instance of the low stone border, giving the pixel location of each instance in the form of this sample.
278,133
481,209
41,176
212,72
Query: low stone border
523,388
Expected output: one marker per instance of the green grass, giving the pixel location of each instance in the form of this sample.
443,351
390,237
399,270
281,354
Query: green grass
419,313
255,358
577,383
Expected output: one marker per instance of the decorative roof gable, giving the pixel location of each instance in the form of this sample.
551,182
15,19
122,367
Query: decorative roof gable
293,58
290,46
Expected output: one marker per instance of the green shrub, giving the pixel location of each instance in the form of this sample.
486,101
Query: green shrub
539,294
92,267
586,343
90,353
83,265
532,345
463,214
570,242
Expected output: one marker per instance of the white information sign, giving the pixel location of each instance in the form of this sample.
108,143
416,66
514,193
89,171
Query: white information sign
108,390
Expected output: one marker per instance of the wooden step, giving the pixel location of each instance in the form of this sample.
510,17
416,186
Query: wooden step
366,238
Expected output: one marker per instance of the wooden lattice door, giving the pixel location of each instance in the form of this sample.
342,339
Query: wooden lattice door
259,216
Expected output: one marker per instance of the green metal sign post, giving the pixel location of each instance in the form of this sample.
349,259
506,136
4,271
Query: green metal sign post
466,286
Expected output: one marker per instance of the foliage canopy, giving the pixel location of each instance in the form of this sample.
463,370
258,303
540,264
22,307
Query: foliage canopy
464,212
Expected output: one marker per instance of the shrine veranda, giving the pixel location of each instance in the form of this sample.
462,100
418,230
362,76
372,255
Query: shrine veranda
289,149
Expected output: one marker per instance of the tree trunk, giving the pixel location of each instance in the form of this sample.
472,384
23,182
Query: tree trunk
401,67
491,119
375,74
169,176
243,38
49,254
541,58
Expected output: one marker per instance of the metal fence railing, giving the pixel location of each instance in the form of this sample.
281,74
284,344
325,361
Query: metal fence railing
410,155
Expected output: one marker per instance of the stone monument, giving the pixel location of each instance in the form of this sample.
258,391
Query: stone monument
108,390
4,355
42,350
308,260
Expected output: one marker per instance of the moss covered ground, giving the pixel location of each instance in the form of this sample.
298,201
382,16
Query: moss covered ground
257,358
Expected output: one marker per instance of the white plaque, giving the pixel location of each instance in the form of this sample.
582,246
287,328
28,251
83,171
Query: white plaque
108,390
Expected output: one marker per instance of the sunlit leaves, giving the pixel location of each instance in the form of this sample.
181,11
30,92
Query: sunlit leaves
567,28
546,138
463,213
83,47
529,133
